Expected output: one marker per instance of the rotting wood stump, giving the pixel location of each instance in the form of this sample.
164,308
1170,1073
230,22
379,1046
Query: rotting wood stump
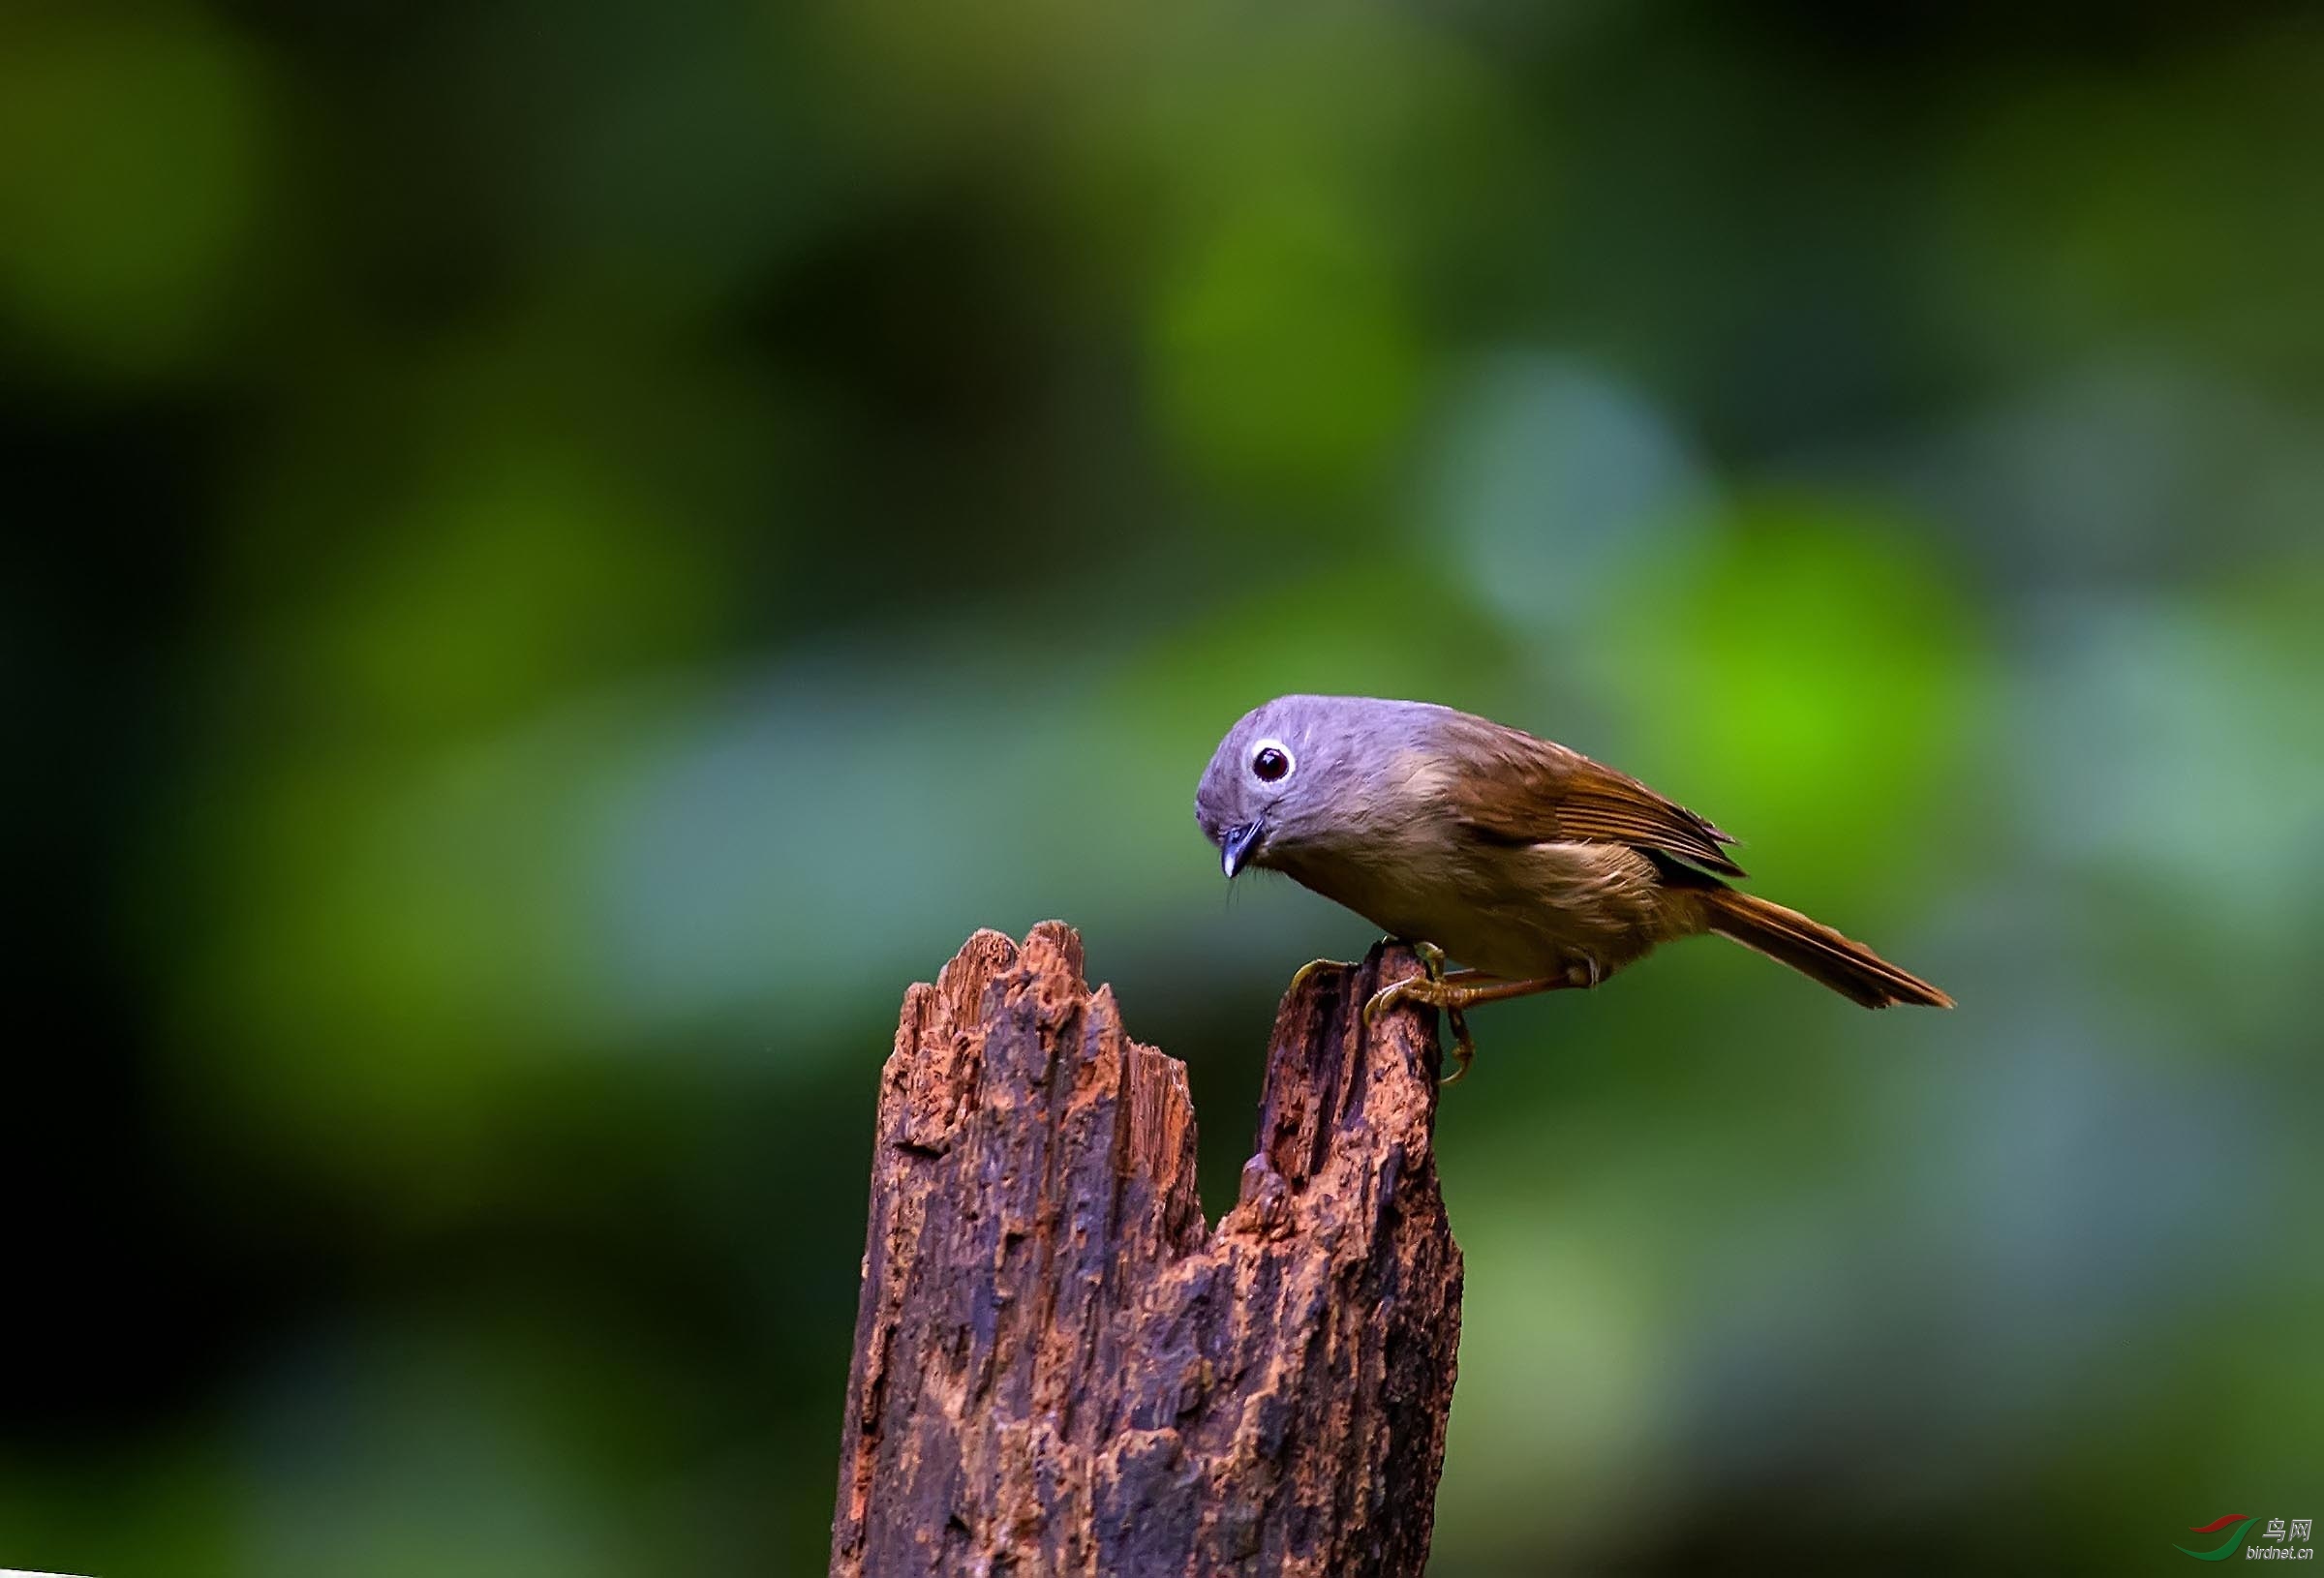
1060,1368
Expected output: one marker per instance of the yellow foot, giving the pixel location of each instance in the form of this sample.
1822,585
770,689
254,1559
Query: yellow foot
1433,991
1431,956
1454,994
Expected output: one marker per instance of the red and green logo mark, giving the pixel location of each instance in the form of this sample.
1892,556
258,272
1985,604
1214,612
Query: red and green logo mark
2235,1521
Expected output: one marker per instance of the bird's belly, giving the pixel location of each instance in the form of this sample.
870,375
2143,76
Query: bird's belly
1523,913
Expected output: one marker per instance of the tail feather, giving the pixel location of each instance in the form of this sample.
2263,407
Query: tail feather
1818,951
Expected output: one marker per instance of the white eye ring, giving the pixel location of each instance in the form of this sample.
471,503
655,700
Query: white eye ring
1272,761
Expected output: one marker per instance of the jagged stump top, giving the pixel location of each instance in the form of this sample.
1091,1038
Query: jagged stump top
1062,1368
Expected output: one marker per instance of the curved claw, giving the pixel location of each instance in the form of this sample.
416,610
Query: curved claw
1385,999
1299,977
1464,1051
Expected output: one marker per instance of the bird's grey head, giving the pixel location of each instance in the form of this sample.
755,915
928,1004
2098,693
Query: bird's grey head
1301,775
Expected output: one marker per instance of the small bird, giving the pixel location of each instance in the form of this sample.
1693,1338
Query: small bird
1530,863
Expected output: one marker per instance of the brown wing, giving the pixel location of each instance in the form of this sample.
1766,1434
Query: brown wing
1514,788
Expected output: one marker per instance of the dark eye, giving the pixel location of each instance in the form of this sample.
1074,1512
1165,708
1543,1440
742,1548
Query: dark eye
1271,763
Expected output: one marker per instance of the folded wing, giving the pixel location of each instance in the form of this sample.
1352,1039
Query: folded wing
1512,788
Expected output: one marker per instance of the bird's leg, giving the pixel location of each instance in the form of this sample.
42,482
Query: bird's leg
1456,990
1454,994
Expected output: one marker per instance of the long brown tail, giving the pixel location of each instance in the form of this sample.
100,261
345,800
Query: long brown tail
1818,951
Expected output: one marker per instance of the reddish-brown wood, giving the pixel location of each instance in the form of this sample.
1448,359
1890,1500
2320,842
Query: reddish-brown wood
1060,1368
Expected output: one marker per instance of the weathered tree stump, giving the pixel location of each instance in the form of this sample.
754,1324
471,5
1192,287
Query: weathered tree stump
1060,1368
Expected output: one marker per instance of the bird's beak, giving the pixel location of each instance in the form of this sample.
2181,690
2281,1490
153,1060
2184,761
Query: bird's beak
1235,848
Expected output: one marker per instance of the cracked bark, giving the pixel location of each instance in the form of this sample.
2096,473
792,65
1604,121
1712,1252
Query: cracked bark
1062,1368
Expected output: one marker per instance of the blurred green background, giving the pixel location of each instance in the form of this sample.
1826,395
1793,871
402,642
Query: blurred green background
566,552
